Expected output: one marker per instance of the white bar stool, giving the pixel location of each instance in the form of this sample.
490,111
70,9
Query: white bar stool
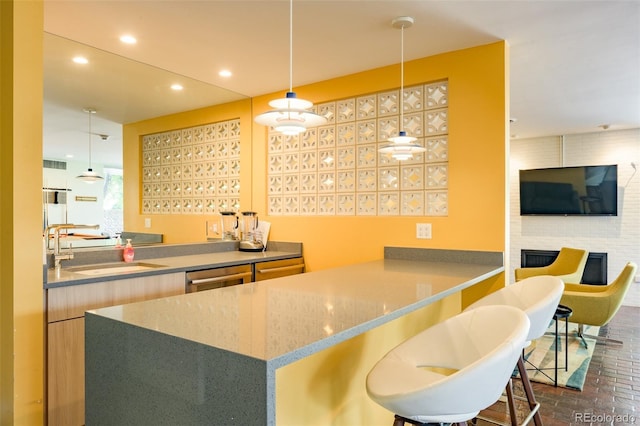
451,371
538,297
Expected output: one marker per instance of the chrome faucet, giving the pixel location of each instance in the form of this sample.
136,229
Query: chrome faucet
58,255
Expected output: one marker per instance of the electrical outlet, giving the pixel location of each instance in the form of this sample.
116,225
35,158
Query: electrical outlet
147,222
423,231
212,229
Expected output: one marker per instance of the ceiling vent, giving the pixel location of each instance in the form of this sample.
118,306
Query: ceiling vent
52,164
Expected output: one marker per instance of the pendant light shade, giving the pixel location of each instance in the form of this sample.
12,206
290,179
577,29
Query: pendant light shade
90,176
402,147
291,115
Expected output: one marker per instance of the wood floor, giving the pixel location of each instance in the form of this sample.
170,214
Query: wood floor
611,394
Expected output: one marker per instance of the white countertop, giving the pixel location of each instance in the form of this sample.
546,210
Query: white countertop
285,319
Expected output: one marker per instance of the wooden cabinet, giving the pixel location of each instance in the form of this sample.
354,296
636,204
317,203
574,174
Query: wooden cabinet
65,359
65,335
278,268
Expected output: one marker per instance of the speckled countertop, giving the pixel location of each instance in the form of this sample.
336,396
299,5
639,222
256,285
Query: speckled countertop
167,259
285,319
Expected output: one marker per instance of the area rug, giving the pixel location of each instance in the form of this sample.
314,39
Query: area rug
540,356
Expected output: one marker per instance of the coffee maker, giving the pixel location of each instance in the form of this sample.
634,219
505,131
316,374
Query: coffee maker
229,226
251,237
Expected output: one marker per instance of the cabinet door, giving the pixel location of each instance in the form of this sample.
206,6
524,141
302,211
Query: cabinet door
66,373
65,334
71,301
278,268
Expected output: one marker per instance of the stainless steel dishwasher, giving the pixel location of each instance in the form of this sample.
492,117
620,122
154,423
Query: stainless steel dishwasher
208,279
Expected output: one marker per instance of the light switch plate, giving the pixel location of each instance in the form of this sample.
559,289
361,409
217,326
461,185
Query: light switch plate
423,231
147,222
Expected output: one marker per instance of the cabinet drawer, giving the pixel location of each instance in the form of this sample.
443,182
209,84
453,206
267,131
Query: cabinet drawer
209,279
278,268
71,301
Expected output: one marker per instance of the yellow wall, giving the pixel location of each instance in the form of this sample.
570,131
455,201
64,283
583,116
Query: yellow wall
21,290
478,122
336,377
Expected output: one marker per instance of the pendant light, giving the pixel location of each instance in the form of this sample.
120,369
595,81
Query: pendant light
291,115
89,176
402,147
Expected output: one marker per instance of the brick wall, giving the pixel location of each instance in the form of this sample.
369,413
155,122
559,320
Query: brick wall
619,236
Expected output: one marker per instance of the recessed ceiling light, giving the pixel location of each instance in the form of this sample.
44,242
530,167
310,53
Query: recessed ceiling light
176,87
128,39
69,155
80,60
225,73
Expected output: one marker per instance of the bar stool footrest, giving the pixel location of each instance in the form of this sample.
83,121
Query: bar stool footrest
526,420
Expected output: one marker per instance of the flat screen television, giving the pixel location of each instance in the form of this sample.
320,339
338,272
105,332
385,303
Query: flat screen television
570,191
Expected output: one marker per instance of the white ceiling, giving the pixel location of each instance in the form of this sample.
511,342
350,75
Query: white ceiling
575,65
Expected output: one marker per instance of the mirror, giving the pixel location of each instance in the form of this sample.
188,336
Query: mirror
121,91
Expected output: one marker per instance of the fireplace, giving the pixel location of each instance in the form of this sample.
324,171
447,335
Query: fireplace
595,272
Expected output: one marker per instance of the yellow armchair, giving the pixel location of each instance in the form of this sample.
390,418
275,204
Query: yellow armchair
568,266
596,304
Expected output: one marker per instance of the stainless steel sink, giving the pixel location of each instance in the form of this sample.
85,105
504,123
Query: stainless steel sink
113,268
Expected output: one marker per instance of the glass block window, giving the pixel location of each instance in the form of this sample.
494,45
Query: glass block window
336,169
192,171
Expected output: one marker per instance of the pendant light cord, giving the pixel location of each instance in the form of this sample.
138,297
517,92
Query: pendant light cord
401,124
290,45
90,176
90,113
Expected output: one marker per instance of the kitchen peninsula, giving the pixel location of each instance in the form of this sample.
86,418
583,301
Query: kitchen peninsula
98,278
288,351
